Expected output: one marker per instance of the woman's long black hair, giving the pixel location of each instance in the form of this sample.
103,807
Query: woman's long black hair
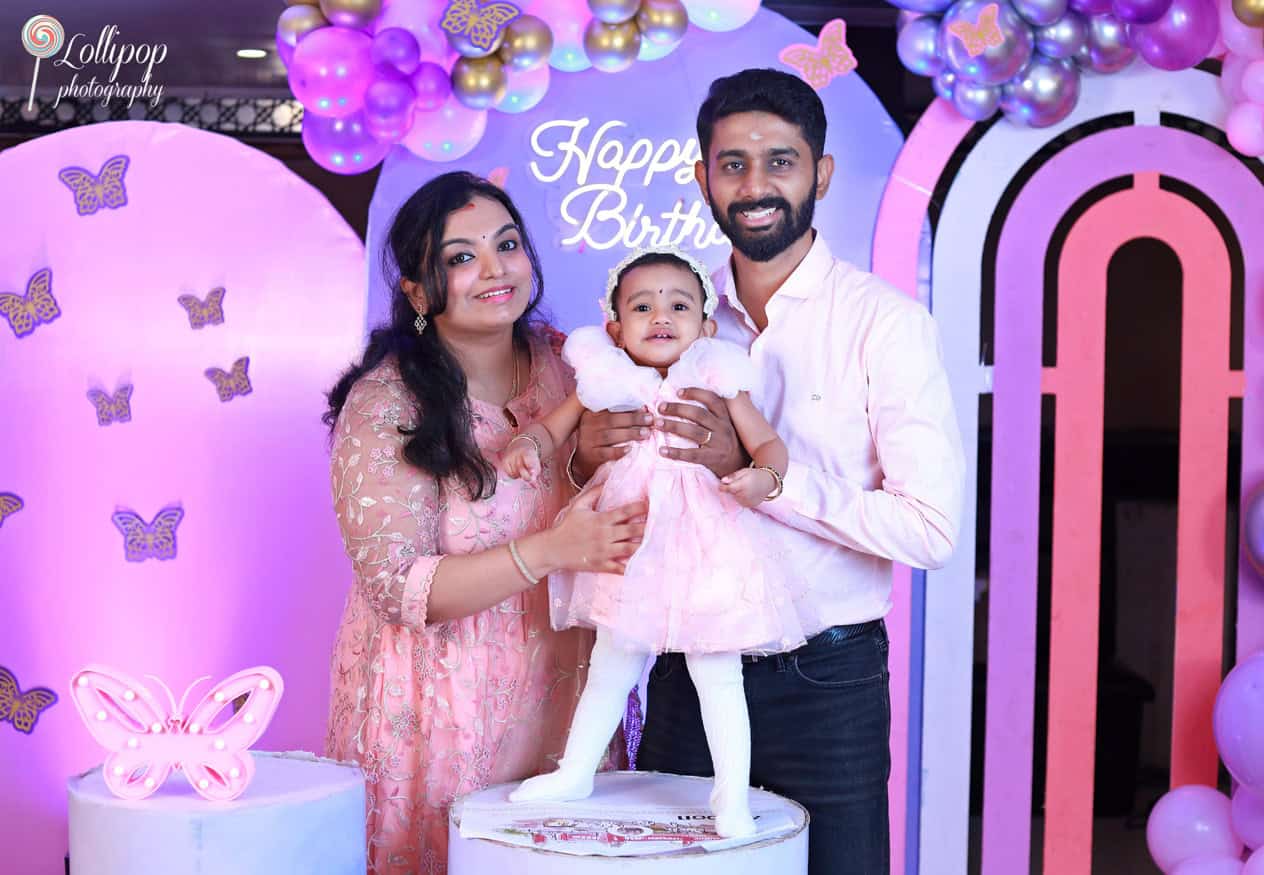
442,444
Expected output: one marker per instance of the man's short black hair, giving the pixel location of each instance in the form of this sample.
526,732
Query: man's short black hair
762,90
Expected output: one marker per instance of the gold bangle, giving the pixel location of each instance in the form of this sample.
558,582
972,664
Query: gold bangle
776,476
570,470
528,436
522,566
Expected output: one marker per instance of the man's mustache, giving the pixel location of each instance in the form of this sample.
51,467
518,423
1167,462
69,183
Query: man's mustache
750,206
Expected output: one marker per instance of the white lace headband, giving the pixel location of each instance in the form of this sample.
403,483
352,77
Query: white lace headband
710,299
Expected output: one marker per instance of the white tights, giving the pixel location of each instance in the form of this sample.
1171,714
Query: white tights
612,672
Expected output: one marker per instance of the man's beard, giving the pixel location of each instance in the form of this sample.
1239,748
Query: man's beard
767,244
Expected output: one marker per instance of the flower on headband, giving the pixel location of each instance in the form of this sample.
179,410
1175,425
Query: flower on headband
710,299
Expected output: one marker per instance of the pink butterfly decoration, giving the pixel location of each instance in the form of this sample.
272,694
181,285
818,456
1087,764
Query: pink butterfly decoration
498,176
146,739
818,65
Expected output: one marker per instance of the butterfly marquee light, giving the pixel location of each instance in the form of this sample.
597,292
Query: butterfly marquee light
148,737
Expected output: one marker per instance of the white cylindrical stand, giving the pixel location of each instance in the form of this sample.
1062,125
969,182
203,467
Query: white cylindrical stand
662,796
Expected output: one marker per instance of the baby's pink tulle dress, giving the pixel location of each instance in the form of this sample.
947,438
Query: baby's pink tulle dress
706,577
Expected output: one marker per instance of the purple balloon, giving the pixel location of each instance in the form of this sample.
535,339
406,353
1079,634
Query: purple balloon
1254,864
1189,822
388,98
1140,11
1181,38
342,145
432,85
1247,815
1210,866
395,52
1238,720
1091,7
1231,74
390,129
330,71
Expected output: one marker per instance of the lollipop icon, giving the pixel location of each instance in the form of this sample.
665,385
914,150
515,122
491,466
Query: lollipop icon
42,36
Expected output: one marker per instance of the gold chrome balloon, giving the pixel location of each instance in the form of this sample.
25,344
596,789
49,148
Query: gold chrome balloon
351,13
612,47
528,43
1249,12
662,22
479,83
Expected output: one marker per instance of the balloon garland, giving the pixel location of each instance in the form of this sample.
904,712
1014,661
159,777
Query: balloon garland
425,73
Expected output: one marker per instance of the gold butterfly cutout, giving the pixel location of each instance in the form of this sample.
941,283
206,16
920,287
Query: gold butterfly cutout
981,35
481,23
230,385
37,307
9,505
202,314
830,57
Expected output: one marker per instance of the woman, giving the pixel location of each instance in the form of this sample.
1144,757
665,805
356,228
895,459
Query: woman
446,675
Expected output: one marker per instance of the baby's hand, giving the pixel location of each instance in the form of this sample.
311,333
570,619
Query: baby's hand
750,486
521,460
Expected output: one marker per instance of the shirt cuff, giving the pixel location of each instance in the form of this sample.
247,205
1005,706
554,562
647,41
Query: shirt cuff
805,493
415,597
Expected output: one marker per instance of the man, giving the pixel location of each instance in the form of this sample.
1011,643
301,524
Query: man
852,380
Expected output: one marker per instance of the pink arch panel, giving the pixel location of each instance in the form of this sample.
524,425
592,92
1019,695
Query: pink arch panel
1018,384
1078,384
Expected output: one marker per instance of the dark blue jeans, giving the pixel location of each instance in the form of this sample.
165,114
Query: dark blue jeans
820,735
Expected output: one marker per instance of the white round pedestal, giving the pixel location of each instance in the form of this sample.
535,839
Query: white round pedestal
630,807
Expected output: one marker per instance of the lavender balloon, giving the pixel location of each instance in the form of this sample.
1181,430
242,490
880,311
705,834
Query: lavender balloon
396,52
432,85
1107,49
1091,7
935,6
1254,864
1064,37
1210,866
1139,11
342,145
1181,38
1253,507
1238,720
1246,813
330,70
945,83
917,46
976,102
1038,13
1001,42
1190,822
1043,94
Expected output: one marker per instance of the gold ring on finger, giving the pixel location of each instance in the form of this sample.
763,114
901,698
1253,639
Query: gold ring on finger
706,440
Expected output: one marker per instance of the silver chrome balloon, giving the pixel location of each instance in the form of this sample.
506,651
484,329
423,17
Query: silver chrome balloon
1107,47
917,47
976,102
1043,94
1064,37
944,84
1038,13
985,41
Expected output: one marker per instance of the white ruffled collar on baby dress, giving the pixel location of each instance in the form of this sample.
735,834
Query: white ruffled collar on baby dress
607,378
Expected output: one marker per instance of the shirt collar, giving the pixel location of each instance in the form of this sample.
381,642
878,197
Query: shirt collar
805,281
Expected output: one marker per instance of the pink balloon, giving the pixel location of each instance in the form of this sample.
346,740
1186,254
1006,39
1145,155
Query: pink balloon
1238,717
446,134
1253,81
1246,813
1210,866
1247,41
1189,822
1218,48
331,69
342,145
1231,71
1254,864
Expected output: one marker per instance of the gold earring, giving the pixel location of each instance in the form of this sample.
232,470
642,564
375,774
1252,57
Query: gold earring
420,323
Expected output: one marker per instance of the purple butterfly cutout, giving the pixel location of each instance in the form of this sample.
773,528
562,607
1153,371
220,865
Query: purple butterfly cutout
22,709
104,189
112,408
9,505
230,385
37,307
141,540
